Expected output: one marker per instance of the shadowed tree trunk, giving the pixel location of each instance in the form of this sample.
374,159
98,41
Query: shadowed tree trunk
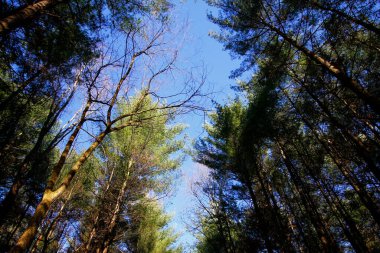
359,188
351,231
326,239
264,227
33,156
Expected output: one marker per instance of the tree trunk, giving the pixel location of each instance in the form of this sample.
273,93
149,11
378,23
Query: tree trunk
357,143
298,229
283,233
263,227
326,239
352,232
349,227
49,196
5,103
333,69
109,235
32,157
359,188
19,17
50,229
93,230
366,25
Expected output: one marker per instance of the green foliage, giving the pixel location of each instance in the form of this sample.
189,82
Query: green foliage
44,62
291,162
116,189
154,233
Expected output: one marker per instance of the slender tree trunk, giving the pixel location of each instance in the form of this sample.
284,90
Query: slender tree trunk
7,238
360,22
348,225
283,233
361,118
222,235
4,104
286,230
264,227
357,143
92,234
356,115
9,201
20,17
351,231
333,69
49,196
297,229
95,221
51,227
326,239
10,128
55,111
359,188
109,235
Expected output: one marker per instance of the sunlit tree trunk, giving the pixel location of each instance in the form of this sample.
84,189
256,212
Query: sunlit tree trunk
360,22
333,69
49,196
21,16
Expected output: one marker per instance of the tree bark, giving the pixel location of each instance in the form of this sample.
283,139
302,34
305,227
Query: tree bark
351,231
110,229
359,188
56,108
19,17
9,201
366,25
264,228
5,103
326,239
283,233
357,143
333,69
49,196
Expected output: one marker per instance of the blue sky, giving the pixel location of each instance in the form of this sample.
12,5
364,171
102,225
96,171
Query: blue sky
199,49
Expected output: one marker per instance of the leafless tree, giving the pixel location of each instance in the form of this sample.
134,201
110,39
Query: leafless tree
109,83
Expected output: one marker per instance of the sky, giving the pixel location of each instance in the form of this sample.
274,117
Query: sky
200,49
196,48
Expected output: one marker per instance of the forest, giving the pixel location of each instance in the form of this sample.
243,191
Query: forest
94,105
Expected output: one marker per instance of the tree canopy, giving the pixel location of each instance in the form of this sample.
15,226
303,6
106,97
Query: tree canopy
91,141
295,165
